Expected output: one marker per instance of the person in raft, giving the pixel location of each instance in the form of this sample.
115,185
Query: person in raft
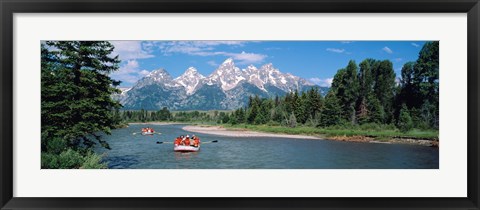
182,140
196,141
187,140
177,141
147,130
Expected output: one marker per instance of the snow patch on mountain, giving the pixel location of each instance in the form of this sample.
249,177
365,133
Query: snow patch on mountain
190,80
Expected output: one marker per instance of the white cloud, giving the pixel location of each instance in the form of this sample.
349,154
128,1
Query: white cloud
129,72
415,44
128,50
213,63
387,50
272,48
144,72
322,82
335,50
246,58
201,48
207,48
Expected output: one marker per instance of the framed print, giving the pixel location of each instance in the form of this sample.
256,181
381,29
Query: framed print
239,105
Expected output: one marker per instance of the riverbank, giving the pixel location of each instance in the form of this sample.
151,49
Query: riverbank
221,131
155,123
386,137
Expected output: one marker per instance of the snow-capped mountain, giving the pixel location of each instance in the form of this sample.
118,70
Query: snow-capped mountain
191,79
227,75
227,87
159,76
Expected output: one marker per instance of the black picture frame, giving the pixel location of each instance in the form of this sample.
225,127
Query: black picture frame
10,7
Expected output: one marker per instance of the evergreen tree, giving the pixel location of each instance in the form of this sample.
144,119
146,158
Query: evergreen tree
331,112
425,79
384,87
76,91
314,102
405,121
345,84
292,121
377,111
366,81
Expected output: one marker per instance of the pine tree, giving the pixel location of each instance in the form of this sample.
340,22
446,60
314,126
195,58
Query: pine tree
366,81
292,120
405,121
345,84
425,79
76,91
384,87
314,102
331,112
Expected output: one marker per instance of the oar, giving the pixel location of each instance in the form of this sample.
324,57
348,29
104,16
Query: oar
164,142
214,141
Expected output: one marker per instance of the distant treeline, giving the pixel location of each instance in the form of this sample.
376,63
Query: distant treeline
360,94
176,116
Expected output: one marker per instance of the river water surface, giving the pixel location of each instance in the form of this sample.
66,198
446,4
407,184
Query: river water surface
142,152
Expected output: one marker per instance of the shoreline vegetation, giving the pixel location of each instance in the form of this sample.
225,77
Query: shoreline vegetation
415,137
423,138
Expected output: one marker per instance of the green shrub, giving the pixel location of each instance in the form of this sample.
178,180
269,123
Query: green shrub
70,159
49,160
56,145
93,161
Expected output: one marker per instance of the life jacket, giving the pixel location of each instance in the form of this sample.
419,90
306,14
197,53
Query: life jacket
177,141
187,141
196,141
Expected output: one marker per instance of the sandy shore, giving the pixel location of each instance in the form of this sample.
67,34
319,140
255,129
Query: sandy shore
220,131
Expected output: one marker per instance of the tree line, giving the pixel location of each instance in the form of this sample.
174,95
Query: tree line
364,93
164,114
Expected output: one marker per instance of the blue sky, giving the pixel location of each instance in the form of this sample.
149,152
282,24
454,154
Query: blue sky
316,61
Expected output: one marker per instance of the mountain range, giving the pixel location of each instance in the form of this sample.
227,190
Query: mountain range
226,88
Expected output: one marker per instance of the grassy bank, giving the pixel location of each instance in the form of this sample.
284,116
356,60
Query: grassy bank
378,132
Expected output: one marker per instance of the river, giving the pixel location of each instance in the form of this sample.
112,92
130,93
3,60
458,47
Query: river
142,152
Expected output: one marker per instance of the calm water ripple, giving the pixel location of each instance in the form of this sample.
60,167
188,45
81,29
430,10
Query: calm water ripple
142,152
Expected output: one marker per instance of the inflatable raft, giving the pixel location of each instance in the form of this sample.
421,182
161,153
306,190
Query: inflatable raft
148,133
183,148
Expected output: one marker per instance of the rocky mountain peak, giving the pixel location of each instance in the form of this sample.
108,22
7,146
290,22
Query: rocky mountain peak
159,74
190,79
228,87
228,61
